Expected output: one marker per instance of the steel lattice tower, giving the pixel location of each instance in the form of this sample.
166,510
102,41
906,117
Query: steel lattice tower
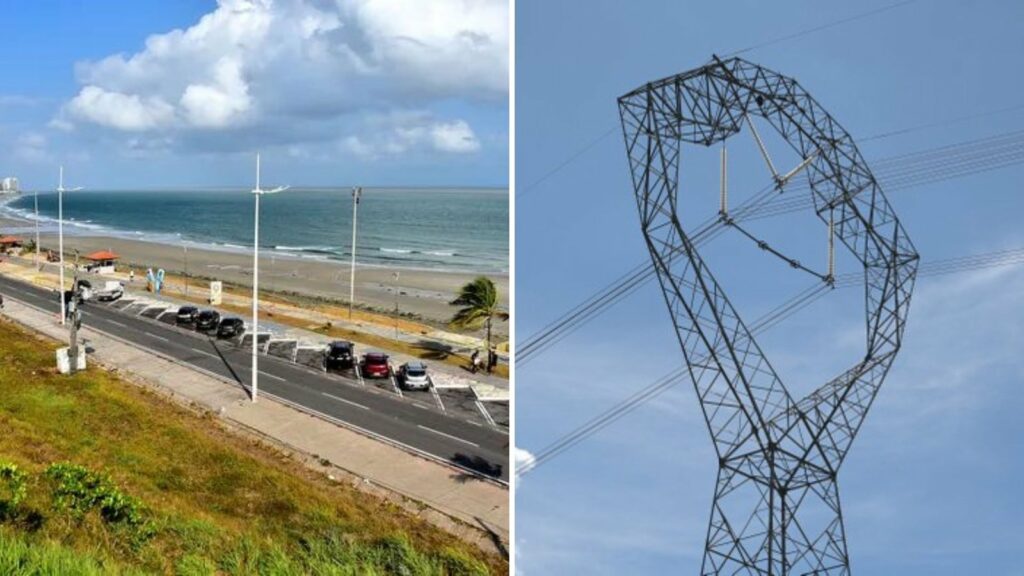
776,506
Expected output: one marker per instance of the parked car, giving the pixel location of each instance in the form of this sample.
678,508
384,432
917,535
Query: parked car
207,320
340,355
111,290
231,328
413,376
376,365
187,314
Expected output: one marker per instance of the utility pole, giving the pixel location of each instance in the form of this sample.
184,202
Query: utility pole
396,303
76,318
356,193
257,192
185,248
60,238
35,198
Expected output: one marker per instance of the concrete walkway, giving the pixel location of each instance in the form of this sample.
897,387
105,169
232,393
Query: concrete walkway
480,506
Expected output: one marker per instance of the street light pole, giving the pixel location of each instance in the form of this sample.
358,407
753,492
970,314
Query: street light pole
356,193
60,237
35,198
257,192
396,304
186,270
60,241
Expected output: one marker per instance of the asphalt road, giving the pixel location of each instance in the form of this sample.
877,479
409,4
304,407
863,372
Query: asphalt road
468,445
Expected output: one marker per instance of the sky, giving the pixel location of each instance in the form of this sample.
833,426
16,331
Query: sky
156,94
931,485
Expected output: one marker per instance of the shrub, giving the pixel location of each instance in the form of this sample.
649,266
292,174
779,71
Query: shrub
12,488
80,490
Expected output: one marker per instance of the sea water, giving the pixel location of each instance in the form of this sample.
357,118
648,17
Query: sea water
445,229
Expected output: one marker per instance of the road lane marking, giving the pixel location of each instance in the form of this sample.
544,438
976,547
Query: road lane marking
198,351
158,337
437,397
119,324
339,399
272,376
456,438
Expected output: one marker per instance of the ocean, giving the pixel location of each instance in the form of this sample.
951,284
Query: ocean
462,230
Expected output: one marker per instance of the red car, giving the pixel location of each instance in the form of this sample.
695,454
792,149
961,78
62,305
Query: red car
375,365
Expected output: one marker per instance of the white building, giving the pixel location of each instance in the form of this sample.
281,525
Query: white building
9,185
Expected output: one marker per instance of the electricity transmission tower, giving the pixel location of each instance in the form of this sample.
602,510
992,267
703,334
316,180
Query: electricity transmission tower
776,505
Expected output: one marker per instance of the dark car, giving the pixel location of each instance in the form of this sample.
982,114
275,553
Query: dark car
376,365
231,328
341,355
187,314
207,320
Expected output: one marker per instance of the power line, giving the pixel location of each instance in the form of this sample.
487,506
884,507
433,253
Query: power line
765,322
819,28
895,173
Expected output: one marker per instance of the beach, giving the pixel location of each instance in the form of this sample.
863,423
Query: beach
422,293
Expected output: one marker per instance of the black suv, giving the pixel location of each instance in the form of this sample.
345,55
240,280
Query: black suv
207,320
231,328
187,314
340,355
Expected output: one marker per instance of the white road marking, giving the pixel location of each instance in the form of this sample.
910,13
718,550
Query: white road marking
437,397
339,399
118,323
272,376
158,337
456,438
198,351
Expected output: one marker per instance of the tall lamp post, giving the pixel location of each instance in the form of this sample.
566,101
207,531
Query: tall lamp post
35,199
396,303
257,192
356,193
60,238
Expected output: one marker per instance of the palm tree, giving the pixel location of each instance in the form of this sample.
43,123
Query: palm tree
479,301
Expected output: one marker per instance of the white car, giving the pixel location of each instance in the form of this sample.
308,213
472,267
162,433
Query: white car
111,291
414,376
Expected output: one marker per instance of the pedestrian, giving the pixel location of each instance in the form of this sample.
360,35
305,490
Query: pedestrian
492,360
474,361
131,276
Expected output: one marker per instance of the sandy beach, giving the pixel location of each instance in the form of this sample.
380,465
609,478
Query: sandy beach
425,293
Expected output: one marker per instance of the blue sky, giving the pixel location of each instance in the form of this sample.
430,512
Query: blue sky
932,482
334,92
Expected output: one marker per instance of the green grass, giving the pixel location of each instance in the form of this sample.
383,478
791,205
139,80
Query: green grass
217,502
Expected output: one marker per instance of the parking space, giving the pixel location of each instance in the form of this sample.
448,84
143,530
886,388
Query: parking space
153,312
310,357
284,349
450,394
498,412
462,403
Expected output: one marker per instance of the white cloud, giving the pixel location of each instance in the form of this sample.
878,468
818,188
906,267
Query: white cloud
128,112
298,71
523,458
403,132
221,102
454,137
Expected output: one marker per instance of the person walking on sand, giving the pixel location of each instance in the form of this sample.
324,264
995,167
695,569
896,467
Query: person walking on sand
474,361
131,276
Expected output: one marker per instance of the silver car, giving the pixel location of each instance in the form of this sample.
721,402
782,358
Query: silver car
414,376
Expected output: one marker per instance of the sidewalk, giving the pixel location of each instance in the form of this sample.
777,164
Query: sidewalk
423,487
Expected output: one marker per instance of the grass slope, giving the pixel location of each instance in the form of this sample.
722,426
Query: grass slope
219,503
